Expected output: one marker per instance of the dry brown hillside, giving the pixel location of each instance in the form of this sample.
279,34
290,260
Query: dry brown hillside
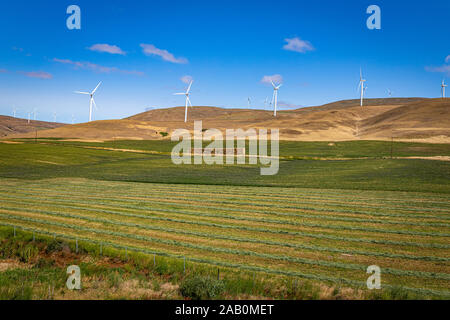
11,125
421,119
403,118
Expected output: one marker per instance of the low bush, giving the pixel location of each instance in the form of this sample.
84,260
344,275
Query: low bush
198,288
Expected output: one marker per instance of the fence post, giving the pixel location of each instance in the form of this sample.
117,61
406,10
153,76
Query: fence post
76,245
184,264
154,260
101,249
34,237
14,231
126,254
218,274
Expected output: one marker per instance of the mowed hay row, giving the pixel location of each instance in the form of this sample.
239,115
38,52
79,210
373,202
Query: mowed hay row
412,200
259,246
274,225
230,222
415,199
320,269
212,231
216,198
186,211
279,215
301,240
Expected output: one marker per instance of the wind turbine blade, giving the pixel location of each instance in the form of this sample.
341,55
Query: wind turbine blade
189,101
279,86
81,92
97,87
179,94
273,84
189,88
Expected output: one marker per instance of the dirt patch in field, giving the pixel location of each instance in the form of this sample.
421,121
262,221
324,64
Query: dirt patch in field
49,162
439,158
9,264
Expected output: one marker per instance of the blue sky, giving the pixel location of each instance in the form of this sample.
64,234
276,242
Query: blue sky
142,49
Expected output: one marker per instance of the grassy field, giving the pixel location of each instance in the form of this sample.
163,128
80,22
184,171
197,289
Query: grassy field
55,159
320,220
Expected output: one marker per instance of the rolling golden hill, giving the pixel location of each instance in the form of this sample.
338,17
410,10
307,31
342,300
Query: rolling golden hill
11,125
380,119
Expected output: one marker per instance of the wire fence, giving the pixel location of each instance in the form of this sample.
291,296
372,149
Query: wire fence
76,241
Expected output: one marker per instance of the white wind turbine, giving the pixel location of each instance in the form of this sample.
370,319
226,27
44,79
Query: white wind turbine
249,102
443,85
361,86
265,102
187,93
73,119
91,101
389,92
275,97
34,113
14,111
29,116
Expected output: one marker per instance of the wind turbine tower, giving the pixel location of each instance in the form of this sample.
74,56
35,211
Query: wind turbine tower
443,85
187,93
361,86
91,101
275,97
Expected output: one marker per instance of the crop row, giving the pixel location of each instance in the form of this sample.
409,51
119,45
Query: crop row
254,229
251,191
119,198
283,214
263,198
263,220
348,266
316,277
225,237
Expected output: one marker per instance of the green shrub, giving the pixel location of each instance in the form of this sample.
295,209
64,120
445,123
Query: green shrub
164,134
201,288
55,246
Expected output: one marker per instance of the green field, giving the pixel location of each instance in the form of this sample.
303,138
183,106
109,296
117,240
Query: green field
324,220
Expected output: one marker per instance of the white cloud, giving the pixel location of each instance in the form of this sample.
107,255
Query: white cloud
298,45
447,59
103,47
441,69
37,74
186,79
276,78
150,49
97,68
